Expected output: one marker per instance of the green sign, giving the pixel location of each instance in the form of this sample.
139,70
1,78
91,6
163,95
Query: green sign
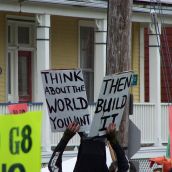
20,142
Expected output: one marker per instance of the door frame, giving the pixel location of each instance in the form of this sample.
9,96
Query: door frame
13,48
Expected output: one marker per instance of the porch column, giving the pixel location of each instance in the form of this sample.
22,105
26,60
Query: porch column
155,78
43,63
99,55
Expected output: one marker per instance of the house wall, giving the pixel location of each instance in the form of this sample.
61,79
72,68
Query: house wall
2,57
64,42
136,59
166,63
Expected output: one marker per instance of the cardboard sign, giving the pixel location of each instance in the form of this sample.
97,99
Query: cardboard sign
18,108
20,142
111,102
66,98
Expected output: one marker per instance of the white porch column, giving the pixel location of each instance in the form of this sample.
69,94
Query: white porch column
100,55
155,78
43,62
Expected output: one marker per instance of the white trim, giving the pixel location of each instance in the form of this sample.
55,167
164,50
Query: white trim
22,48
54,9
87,23
91,4
155,78
43,59
14,18
99,55
139,14
146,18
150,152
16,94
142,81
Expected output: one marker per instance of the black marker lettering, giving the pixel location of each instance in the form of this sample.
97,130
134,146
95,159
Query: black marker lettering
68,104
52,108
99,105
60,123
83,102
60,104
68,77
54,78
121,85
114,117
53,120
106,83
45,76
114,86
104,120
76,77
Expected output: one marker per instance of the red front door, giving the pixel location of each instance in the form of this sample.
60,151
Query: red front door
24,76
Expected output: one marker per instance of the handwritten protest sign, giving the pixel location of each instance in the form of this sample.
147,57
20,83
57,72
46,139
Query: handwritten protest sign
18,108
66,98
111,102
20,142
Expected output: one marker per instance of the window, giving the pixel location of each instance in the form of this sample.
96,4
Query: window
9,34
23,35
87,59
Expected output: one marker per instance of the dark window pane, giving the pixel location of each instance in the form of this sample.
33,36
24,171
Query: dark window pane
87,59
9,34
23,35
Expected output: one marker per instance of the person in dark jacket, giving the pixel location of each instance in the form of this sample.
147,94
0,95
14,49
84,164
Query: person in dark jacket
91,154
55,163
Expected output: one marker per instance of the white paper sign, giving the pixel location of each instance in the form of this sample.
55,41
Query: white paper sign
66,98
111,102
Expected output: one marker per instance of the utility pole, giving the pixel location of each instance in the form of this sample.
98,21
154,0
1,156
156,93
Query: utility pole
119,49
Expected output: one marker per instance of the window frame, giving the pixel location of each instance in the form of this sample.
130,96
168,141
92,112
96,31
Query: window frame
92,25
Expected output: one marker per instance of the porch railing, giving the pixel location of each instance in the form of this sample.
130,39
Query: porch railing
143,116
37,106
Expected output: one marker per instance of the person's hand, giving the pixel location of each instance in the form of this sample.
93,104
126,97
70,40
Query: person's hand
73,127
111,132
71,130
111,128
